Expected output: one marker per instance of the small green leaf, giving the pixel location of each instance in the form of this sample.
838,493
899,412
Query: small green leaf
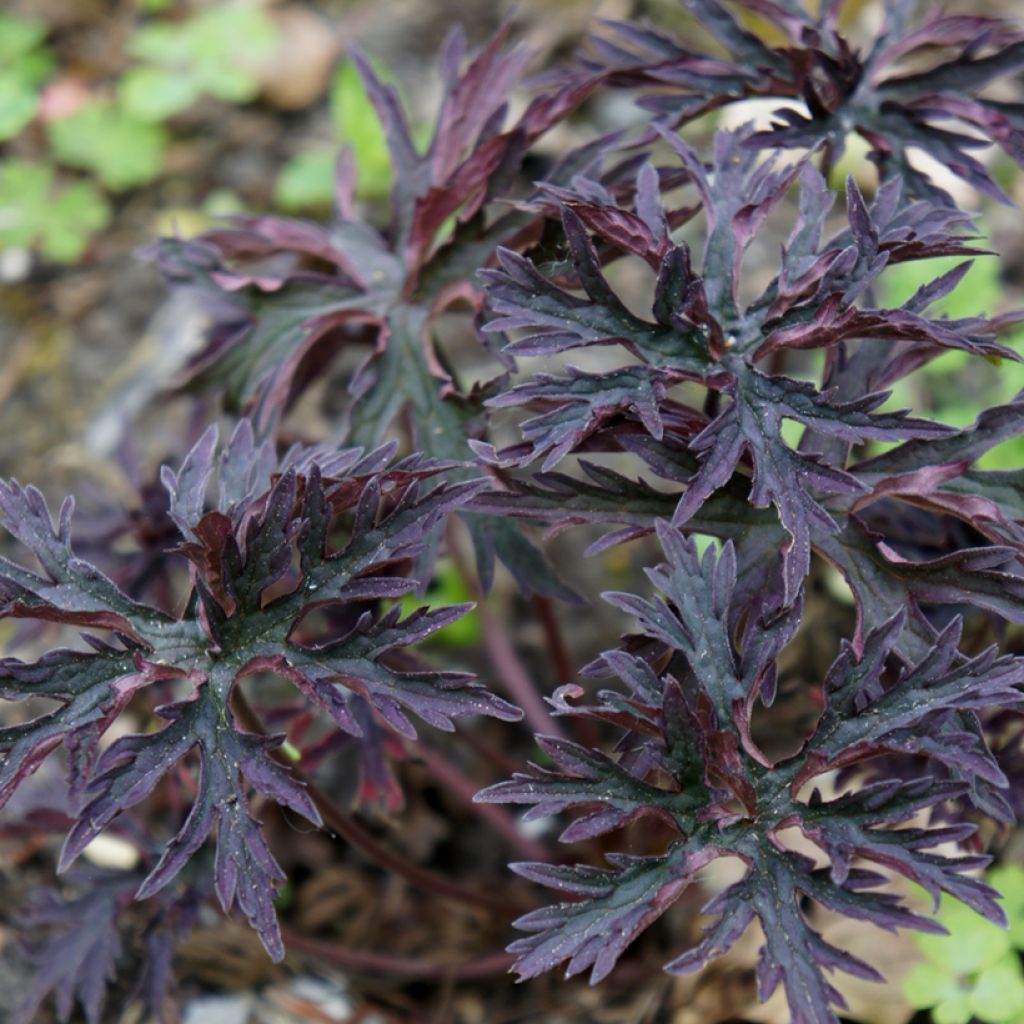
31,213
162,43
214,51
953,1011
33,68
1009,880
928,985
23,190
75,216
973,942
998,993
154,94
238,33
18,104
306,182
231,84
19,36
120,149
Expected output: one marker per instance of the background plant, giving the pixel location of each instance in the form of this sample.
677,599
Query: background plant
117,129
975,970
27,64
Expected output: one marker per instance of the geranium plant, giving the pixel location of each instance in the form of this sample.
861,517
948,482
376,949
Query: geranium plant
740,421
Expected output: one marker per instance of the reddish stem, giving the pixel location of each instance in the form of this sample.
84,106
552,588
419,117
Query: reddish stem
507,663
560,657
405,966
518,683
583,728
344,825
453,781
500,759
382,856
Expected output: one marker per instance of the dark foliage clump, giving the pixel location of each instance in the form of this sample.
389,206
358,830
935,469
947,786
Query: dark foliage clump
298,559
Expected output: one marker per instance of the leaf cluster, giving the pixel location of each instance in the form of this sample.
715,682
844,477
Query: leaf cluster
755,411
975,970
262,559
913,85
686,756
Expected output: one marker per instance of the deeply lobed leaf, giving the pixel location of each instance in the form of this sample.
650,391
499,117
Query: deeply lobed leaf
246,615
909,87
701,332
686,755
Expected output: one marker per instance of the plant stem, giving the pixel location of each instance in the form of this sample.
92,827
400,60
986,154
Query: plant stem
452,779
557,646
382,856
497,757
507,663
384,963
344,825
583,728
518,683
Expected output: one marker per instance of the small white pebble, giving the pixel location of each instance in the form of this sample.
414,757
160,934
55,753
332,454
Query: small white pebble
537,827
110,852
15,264
219,1010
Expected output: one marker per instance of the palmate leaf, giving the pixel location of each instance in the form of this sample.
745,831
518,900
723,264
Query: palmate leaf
381,286
687,758
285,295
246,615
700,332
909,585
910,87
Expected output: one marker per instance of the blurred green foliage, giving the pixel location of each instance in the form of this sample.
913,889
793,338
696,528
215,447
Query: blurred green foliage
25,63
34,211
307,181
119,149
974,972
212,53
950,386
447,588
119,140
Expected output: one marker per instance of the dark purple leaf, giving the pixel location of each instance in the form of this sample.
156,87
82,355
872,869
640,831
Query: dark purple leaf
619,904
79,958
247,615
684,755
895,92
